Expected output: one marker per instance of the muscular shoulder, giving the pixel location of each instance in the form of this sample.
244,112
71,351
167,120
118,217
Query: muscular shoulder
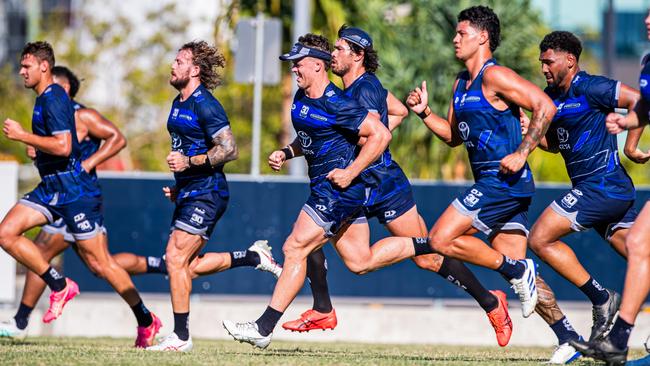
497,74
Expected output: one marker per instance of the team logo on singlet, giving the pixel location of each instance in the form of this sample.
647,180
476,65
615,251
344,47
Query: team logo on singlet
562,135
305,140
463,128
176,141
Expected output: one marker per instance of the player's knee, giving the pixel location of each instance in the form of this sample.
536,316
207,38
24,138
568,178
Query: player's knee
441,243
537,242
97,269
174,260
7,237
636,246
358,267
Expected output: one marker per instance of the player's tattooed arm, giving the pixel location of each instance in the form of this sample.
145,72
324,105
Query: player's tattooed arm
547,306
506,88
224,150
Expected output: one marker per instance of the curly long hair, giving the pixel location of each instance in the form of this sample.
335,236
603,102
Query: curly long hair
208,59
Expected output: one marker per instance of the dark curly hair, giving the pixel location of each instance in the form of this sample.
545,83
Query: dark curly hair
318,42
485,19
41,50
73,80
562,41
208,59
370,56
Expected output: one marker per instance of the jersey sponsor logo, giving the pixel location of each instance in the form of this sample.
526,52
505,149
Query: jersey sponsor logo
303,111
305,140
197,94
572,105
175,113
318,117
330,93
463,128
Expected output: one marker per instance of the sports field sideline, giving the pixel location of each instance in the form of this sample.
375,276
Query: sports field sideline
115,351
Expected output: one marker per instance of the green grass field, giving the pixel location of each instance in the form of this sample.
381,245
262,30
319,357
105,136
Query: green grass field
118,351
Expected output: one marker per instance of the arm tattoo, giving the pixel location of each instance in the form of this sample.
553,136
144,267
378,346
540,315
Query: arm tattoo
547,306
224,149
536,130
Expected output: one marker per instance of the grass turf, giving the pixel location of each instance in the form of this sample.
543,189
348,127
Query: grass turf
118,351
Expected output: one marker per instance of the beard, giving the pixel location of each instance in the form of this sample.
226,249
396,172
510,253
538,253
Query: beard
340,69
180,82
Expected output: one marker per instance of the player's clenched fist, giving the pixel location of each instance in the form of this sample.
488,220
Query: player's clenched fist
13,130
340,177
177,162
615,123
277,159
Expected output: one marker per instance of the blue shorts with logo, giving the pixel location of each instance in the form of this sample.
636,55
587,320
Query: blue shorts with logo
83,217
333,208
198,214
390,196
589,207
58,227
493,209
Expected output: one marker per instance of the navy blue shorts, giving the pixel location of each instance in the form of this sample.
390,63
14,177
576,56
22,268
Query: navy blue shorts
391,197
332,208
199,214
83,217
588,207
58,227
493,210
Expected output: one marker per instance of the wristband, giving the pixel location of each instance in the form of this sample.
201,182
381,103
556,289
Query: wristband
206,163
288,152
424,113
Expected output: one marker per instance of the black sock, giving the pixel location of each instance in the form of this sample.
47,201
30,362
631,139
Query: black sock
182,325
156,265
268,320
317,276
564,331
620,333
22,316
511,268
422,246
142,314
244,258
457,273
55,281
595,292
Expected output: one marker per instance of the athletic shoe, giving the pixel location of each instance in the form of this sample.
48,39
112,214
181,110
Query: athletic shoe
312,319
603,315
247,332
9,329
525,287
172,343
602,349
267,263
58,299
564,354
500,319
146,335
